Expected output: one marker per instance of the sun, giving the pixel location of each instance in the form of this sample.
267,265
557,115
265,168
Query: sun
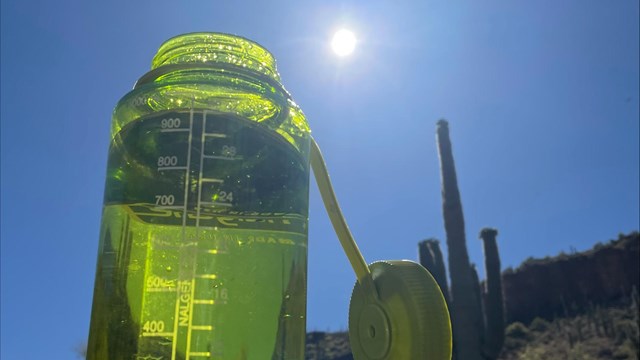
343,42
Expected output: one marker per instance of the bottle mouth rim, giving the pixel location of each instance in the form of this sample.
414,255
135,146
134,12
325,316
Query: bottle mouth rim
216,47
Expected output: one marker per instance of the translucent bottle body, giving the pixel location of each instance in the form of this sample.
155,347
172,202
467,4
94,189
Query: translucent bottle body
203,241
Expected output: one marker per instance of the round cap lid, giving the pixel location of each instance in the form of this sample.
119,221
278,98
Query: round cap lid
407,319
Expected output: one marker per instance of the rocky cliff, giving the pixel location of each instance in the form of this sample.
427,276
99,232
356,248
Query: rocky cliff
567,284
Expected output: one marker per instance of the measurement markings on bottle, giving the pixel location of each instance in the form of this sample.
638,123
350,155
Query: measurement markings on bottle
207,276
165,200
215,135
184,293
170,162
159,284
186,182
187,314
202,327
148,357
165,334
167,289
169,207
171,124
174,130
204,302
215,203
164,168
195,292
155,328
216,157
200,354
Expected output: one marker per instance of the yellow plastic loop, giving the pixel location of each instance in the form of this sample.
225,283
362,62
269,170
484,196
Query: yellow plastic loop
337,220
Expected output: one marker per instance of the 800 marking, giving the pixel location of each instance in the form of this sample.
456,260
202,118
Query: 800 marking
164,161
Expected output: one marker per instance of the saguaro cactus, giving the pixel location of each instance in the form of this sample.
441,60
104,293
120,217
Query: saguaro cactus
465,318
476,313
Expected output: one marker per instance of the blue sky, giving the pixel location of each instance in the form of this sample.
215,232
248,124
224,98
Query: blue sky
541,96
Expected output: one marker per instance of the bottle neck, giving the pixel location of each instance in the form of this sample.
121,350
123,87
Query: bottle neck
200,56
217,50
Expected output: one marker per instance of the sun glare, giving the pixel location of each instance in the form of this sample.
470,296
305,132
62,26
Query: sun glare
343,42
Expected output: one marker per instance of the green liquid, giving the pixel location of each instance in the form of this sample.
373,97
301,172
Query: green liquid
203,242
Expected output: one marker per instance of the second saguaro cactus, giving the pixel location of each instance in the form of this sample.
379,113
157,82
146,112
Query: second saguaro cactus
493,338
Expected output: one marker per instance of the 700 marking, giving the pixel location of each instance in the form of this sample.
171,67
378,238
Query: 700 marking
165,199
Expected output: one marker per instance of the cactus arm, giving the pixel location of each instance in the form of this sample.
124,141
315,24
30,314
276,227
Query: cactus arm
477,290
426,257
493,306
439,272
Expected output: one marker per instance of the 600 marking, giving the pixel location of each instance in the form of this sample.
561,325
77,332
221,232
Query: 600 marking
156,282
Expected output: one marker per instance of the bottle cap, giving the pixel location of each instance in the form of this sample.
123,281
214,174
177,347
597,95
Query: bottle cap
406,319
